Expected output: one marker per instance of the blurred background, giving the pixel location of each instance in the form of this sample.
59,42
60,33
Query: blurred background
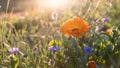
30,25
82,8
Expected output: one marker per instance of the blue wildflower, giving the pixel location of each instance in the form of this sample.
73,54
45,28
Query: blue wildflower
13,50
97,66
88,49
105,19
54,48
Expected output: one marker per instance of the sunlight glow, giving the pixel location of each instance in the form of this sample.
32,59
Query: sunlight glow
56,3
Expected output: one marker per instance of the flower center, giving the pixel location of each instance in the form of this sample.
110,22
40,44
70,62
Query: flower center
75,31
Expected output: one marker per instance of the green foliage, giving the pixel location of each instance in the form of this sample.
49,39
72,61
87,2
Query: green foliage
34,32
14,62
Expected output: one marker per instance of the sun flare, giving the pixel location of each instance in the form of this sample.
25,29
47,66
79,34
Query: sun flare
56,3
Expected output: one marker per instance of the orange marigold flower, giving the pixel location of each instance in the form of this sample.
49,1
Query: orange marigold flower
74,27
91,64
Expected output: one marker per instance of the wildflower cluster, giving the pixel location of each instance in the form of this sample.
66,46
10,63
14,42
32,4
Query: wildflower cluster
36,38
54,45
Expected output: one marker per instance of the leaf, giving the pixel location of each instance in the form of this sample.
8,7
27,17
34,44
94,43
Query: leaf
14,62
111,59
99,38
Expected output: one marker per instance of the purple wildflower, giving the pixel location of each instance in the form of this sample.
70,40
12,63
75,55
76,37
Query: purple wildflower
13,50
105,19
88,49
54,48
54,15
97,66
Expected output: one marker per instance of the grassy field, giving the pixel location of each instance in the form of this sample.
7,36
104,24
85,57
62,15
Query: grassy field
75,34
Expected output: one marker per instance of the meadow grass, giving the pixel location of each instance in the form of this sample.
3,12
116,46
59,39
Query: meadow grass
33,33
